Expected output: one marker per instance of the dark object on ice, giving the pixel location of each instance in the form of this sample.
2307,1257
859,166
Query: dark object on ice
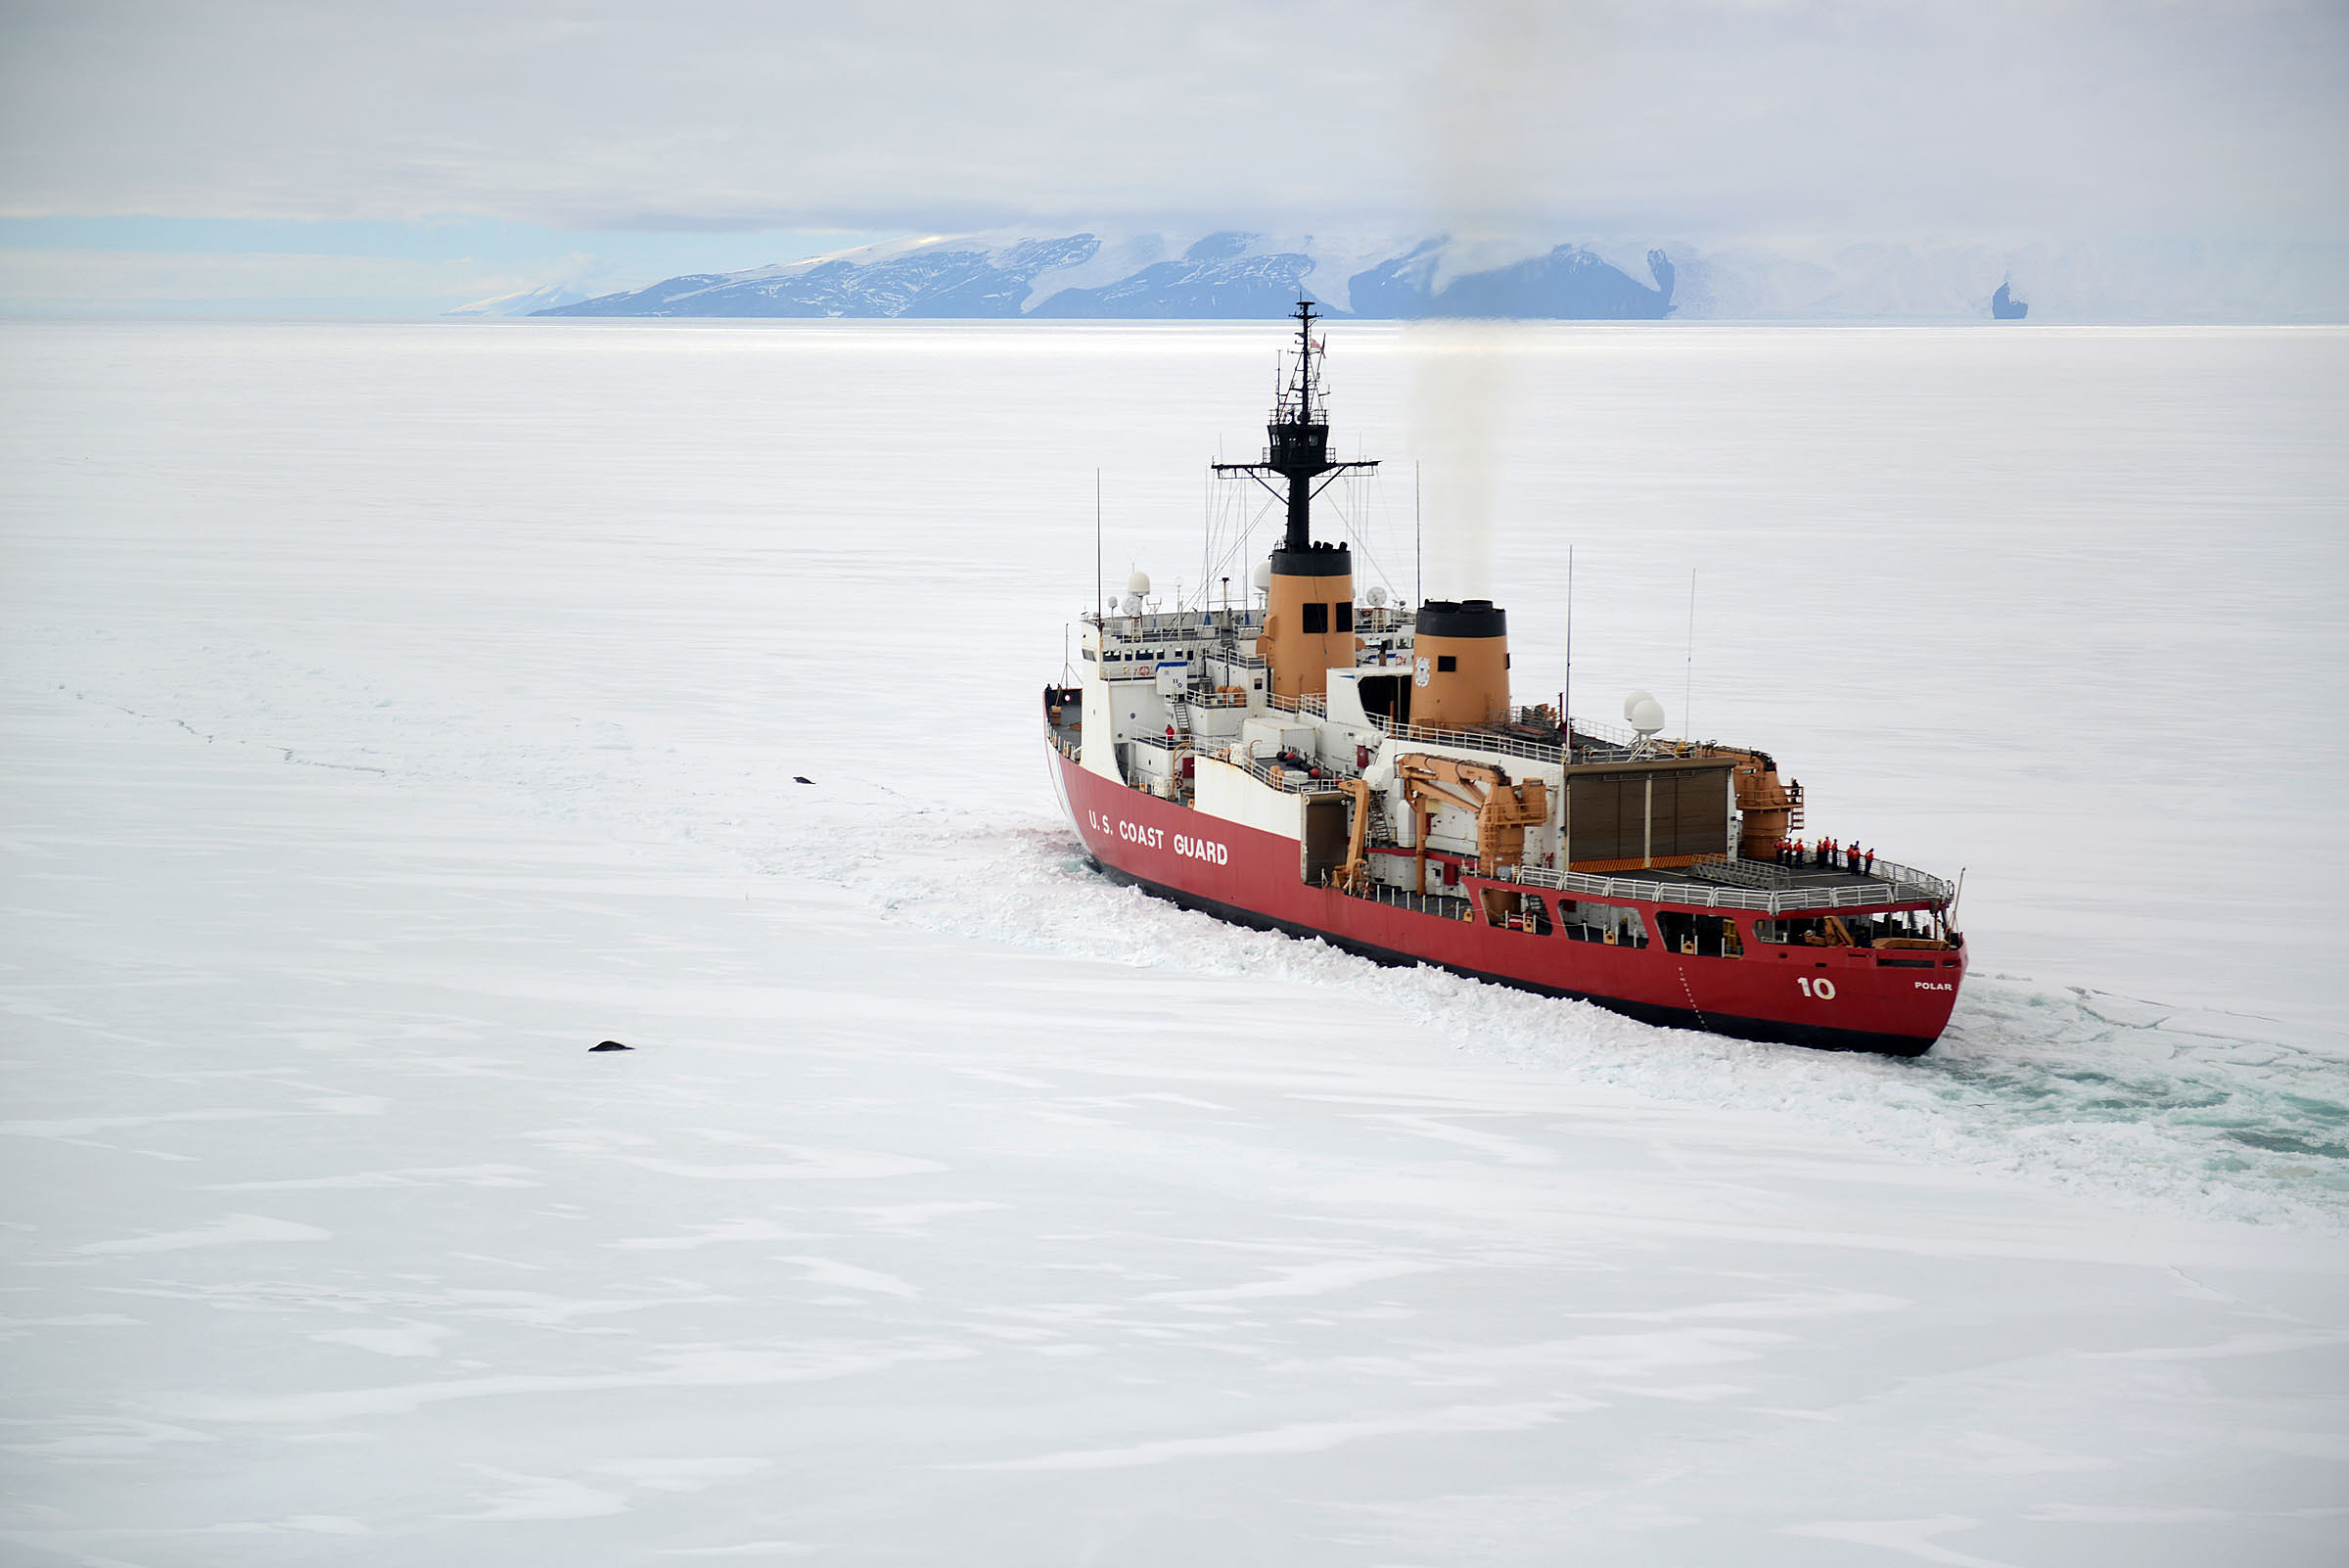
800,778
609,1045
2005,306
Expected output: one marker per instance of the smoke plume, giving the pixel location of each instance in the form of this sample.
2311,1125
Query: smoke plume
1499,129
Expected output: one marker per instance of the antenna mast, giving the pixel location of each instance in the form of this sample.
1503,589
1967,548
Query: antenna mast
1297,446
1688,670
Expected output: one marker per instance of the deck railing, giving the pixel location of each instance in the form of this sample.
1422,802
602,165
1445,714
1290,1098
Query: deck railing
1176,622
1714,895
1449,905
1480,740
1931,885
1743,873
1292,780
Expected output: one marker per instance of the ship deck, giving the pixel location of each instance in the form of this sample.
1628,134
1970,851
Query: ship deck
1758,885
1804,878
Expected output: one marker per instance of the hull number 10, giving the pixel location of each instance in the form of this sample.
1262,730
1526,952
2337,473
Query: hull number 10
1823,988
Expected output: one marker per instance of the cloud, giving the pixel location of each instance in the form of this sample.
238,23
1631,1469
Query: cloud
61,281
1688,116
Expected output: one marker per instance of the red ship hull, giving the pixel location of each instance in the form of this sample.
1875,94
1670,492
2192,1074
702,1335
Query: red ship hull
1833,998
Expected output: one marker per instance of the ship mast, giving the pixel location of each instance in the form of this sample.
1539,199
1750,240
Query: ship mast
1296,444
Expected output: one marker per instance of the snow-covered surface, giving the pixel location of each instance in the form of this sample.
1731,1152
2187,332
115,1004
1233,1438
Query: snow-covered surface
389,714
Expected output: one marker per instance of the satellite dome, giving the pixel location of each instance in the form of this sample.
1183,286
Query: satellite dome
1377,595
1644,713
1139,582
1134,604
1263,576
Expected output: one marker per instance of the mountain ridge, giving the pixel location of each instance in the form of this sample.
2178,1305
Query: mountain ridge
1230,274
1380,275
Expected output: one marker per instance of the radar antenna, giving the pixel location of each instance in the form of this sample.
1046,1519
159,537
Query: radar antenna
1296,444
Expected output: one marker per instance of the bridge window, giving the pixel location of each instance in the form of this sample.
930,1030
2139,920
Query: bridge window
1517,911
1826,931
1616,925
1700,936
1387,697
1892,928
1895,928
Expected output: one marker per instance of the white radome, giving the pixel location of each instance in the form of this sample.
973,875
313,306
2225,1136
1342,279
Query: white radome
1138,583
1377,596
1263,578
1644,713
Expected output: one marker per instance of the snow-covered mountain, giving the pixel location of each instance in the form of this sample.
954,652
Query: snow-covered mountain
1221,276
1232,274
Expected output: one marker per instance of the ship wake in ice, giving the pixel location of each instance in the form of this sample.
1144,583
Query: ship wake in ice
2197,1111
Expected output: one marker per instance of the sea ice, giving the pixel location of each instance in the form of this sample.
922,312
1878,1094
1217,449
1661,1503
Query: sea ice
388,710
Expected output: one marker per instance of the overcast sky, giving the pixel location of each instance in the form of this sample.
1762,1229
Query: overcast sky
531,137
